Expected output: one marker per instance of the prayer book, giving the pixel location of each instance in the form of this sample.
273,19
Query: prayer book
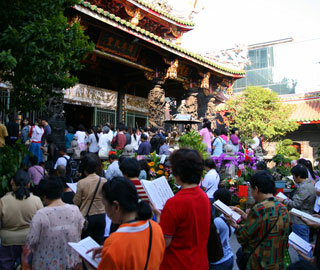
281,195
302,245
227,210
158,191
299,213
72,186
83,246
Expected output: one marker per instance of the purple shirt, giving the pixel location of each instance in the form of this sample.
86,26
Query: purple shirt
36,174
144,148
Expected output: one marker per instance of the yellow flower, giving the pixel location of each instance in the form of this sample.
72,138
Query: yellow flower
243,200
232,181
152,169
151,164
166,173
160,166
160,172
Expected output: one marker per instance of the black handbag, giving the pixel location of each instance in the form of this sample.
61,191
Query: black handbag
243,257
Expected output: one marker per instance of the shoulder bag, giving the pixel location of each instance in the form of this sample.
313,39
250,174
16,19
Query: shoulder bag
214,246
243,258
86,222
150,245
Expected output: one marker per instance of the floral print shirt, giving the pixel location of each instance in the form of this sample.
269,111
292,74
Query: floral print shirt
50,231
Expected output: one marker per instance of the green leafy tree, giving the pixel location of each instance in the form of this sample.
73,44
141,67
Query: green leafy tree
259,109
193,140
38,49
286,149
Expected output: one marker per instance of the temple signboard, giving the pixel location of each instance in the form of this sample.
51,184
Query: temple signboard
136,104
117,45
91,96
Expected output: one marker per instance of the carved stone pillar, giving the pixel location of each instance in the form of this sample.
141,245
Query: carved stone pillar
120,107
56,119
156,103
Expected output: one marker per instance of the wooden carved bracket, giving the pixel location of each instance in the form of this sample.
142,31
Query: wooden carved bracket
205,80
136,15
172,71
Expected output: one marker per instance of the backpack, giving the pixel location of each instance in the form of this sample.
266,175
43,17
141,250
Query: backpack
71,168
114,142
214,246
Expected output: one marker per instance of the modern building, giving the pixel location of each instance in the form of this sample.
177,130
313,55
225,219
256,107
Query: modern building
285,66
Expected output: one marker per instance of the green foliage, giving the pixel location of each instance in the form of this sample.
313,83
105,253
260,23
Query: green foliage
286,149
193,140
259,109
11,160
39,49
283,167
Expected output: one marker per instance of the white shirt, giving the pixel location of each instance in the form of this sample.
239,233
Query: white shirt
37,133
93,144
211,182
61,161
81,136
256,143
316,207
135,142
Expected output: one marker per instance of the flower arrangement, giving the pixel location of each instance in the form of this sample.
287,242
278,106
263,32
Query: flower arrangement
156,168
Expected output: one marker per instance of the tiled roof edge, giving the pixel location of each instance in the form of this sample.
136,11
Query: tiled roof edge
167,43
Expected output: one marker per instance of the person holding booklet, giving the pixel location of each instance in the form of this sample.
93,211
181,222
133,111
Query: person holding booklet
185,219
52,228
138,243
303,200
266,228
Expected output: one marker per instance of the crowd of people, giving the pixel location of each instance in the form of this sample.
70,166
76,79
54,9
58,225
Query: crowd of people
42,213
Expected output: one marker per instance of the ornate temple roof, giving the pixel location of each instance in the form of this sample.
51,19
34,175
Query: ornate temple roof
151,7
122,24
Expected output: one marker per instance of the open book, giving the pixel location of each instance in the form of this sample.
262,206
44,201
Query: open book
72,186
299,213
227,210
281,195
158,191
299,243
83,246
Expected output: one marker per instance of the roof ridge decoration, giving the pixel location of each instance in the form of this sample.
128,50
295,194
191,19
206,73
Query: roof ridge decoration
164,13
217,67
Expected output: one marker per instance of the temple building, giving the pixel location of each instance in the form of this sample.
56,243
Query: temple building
138,73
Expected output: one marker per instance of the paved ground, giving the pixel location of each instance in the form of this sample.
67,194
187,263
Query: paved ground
235,245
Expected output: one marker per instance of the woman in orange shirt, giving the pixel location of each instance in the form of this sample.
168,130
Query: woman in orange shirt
138,243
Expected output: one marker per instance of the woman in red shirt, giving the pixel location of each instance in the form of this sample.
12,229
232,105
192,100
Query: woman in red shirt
185,219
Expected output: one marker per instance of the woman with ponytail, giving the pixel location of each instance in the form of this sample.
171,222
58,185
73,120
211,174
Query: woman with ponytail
138,243
16,211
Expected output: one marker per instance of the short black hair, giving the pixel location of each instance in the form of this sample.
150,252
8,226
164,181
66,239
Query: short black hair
261,166
264,181
130,167
300,170
187,164
209,163
301,265
51,187
122,190
217,132
33,160
233,130
163,141
144,136
63,149
224,195
91,163
113,157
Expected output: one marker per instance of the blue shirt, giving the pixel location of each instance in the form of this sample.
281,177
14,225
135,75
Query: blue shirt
218,146
144,148
223,231
164,150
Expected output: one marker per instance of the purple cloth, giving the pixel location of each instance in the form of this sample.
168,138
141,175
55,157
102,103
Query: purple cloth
9,255
36,174
234,139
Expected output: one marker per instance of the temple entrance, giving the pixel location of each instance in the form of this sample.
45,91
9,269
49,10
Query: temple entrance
76,115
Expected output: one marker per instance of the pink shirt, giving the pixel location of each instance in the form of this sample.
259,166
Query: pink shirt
206,137
224,137
36,174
